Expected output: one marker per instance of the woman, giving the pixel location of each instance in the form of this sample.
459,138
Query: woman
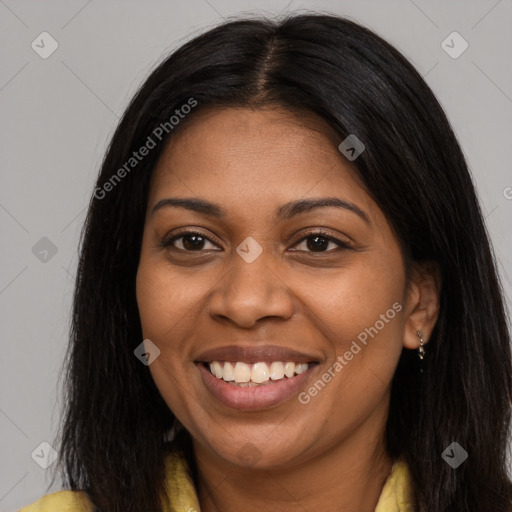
286,296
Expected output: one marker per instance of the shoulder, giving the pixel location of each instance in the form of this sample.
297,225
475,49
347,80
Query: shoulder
178,484
397,494
62,501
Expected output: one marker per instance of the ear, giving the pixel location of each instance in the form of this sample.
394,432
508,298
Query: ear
422,303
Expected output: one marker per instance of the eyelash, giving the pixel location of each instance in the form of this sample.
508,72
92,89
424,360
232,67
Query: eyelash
342,245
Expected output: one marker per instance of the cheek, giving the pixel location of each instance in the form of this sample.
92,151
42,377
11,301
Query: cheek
348,302
359,313
168,303
166,309
167,300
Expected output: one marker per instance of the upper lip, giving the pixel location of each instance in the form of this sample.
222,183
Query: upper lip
254,354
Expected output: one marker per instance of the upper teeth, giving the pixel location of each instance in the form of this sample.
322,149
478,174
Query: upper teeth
257,372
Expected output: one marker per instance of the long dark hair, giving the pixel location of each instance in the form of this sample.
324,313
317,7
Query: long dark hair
113,434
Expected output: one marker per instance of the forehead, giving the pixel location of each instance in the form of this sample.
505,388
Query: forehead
250,144
246,158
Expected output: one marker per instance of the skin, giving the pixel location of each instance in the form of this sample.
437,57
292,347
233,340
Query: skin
326,455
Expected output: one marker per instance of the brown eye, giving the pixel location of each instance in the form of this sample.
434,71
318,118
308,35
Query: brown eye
190,241
319,242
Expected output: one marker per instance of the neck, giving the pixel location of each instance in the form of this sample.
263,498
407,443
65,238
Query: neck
345,477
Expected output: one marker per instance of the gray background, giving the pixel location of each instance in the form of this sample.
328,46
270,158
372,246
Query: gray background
58,114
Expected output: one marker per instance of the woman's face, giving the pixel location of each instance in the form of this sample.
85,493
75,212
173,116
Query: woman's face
256,273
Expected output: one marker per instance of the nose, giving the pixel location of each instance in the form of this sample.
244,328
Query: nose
250,292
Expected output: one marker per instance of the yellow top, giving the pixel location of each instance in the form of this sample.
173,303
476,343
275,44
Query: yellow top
395,496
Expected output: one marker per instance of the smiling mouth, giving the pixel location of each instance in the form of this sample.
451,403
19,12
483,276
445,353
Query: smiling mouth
242,374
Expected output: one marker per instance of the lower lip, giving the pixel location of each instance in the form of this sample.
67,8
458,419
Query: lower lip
256,397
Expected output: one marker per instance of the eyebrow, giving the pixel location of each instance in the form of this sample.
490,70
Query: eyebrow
285,211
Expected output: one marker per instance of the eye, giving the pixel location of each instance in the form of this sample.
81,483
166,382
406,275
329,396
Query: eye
190,241
194,241
319,241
